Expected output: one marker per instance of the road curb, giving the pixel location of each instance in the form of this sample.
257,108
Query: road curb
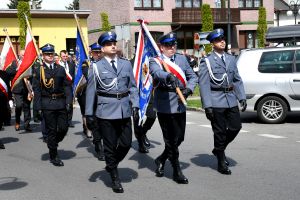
194,109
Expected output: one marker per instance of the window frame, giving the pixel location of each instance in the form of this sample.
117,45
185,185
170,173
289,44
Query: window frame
274,63
244,7
192,3
150,8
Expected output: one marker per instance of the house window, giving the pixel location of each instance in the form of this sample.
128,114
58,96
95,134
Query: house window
188,3
250,3
148,4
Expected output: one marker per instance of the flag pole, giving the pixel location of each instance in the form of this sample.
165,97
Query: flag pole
166,67
10,44
80,33
34,42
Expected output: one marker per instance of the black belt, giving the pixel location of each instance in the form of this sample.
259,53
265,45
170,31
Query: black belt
55,96
225,90
169,89
117,96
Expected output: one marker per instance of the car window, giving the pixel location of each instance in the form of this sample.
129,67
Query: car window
277,62
298,61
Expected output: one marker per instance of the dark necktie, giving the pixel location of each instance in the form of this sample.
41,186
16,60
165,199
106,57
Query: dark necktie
113,65
172,59
223,59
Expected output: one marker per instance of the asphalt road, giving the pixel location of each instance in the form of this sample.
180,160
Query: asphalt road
264,162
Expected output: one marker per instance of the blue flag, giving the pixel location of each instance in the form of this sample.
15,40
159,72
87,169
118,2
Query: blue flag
81,56
145,50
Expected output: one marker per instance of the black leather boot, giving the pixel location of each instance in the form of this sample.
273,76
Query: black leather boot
214,151
222,167
116,184
99,151
54,159
2,145
177,173
160,165
146,141
142,146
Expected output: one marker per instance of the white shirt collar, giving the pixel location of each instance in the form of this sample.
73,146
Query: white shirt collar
48,65
109,60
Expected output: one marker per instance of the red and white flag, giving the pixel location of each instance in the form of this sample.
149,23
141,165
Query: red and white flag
3,87
29,58
7,55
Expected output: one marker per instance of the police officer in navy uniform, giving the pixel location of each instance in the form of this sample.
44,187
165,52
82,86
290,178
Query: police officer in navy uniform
111,81
53,97
171,112
221,88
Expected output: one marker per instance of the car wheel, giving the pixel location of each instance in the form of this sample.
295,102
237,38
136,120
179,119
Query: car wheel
272,110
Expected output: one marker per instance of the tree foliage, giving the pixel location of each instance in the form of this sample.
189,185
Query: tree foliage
262,27
105,23
13,4
73,6
207,22
23,9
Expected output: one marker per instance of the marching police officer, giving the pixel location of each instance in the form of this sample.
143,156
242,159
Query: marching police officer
111,81
53,96
171,112
221,88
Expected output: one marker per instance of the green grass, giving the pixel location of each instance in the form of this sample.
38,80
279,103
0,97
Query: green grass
196,103
196,91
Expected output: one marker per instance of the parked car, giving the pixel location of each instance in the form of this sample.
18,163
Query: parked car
271,78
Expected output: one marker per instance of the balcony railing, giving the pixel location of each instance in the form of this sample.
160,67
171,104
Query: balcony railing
193,15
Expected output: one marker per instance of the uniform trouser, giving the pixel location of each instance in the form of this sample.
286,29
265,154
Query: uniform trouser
96,132
173,129
70,114
117,137
56,122
226,125
43,125
22,103
142,130
4,109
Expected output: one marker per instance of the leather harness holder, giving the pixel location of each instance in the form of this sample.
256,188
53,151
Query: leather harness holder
222,89
117,96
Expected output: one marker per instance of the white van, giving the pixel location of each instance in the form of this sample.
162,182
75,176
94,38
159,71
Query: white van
271,78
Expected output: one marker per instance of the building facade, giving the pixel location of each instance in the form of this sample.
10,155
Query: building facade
57,27
181,16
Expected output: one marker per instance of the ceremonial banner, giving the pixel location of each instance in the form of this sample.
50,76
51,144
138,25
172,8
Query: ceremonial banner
7,55
30,56
81,56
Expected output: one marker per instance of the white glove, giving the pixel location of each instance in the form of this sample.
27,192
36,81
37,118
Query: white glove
11,104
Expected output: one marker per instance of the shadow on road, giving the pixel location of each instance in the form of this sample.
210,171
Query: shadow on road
63,154
7,140
11,183
206,160
126,176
